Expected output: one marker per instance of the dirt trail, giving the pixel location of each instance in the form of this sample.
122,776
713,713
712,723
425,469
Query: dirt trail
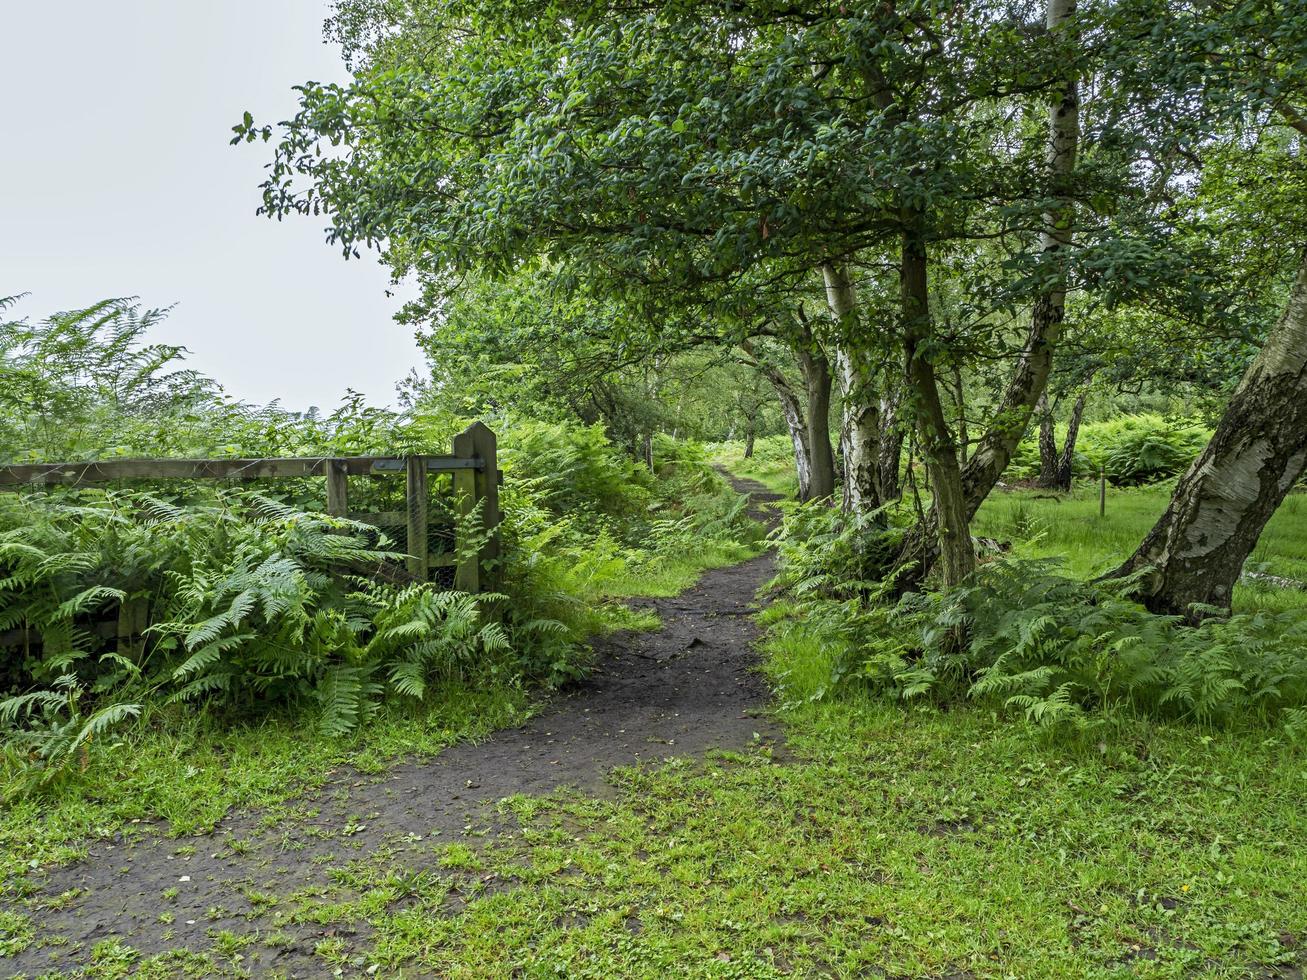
686,688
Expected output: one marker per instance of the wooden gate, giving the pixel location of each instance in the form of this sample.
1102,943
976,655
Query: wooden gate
472,463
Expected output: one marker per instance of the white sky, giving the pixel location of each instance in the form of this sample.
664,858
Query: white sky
116,180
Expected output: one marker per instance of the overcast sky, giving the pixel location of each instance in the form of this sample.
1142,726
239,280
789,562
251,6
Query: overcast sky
116,180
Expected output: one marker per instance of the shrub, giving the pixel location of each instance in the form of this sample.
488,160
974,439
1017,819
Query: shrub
1069,652
1131,449
574,469
828,554
251,603
1135,449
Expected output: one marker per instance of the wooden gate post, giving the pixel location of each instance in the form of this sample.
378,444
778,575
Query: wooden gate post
337,488
133,620
477,492
415,470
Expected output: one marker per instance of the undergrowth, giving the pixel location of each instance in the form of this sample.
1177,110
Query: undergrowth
251,603
1129,449
1023,636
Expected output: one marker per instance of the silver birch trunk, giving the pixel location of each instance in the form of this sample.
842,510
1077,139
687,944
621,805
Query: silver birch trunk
1197,549
860,429
996,447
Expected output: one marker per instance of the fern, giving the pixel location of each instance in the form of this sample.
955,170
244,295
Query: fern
1057,648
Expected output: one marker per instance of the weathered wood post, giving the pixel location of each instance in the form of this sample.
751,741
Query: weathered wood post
133,620
477,492
1102,491
415,470
337,474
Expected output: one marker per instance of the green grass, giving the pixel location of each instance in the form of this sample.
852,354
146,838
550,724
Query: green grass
1072,531
908,842
673,574
882,839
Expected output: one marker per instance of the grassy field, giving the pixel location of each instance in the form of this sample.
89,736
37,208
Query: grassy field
1069,528
880,841
885,840
919,845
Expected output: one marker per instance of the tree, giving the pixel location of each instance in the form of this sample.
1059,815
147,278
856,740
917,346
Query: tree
1194,554
1056,463
678,154
806,412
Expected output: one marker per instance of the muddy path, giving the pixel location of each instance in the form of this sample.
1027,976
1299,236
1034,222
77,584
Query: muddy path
689,687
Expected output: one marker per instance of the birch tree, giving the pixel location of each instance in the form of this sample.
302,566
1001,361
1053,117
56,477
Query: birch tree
1192,557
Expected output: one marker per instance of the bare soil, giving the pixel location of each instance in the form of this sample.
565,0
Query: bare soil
687,688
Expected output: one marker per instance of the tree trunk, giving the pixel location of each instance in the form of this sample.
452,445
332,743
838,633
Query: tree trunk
957,556
1066,462
1031,377
995,448
860,432
1048,454
1055,465
750,434
1219,508
891,446
809,430
859,439
817,384
792,412
960,410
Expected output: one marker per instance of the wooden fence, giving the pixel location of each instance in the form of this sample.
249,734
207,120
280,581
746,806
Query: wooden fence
472,464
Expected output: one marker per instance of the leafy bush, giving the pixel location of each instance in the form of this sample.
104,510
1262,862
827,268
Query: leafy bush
574,469
566,561
691,486
1069,652
1131,449
827,554
250,604
1135,449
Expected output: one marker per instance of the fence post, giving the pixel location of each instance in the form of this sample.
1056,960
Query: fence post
133,620
415,470
337,488
477,492
1102,491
